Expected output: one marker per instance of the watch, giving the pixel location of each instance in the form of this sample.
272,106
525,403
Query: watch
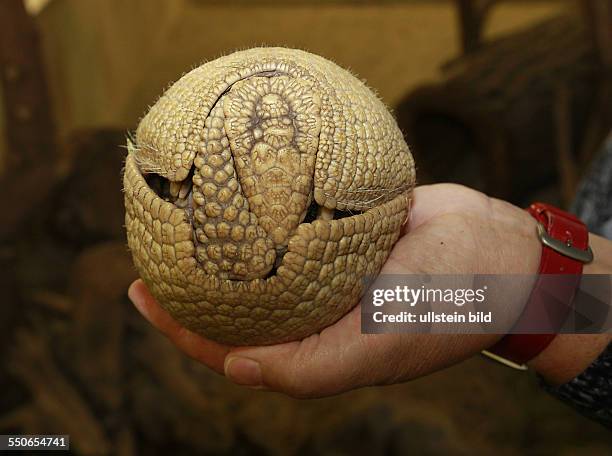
565,250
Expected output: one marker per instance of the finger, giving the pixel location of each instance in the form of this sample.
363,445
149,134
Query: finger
203,350
338,359
429,201
420,210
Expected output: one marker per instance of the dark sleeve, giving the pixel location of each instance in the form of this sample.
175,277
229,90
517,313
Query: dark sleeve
590,393
593,203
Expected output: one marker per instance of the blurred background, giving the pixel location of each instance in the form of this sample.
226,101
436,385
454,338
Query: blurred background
510,97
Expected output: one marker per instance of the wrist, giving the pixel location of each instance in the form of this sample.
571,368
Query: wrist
568,355
520,250
566,241
602,256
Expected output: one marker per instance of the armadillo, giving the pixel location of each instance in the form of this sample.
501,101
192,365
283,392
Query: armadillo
261,190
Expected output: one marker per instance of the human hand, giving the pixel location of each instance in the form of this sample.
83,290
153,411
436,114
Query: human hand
451,230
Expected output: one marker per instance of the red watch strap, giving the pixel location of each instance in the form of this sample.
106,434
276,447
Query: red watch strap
520,348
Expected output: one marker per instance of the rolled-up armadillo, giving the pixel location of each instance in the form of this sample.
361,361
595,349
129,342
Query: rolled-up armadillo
260,190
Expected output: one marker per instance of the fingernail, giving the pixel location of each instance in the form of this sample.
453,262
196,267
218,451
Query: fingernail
135,298
243,371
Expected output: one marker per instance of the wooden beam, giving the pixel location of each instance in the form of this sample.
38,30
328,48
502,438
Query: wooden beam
472,16
599,16
30,129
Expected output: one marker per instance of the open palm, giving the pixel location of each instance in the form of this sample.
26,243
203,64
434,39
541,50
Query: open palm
451,230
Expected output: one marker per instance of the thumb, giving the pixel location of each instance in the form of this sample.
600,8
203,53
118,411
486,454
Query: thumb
336,360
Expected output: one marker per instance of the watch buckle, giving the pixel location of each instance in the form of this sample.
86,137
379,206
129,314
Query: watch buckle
566,249
504,361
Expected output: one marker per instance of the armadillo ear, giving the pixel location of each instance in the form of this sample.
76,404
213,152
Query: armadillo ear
169,135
